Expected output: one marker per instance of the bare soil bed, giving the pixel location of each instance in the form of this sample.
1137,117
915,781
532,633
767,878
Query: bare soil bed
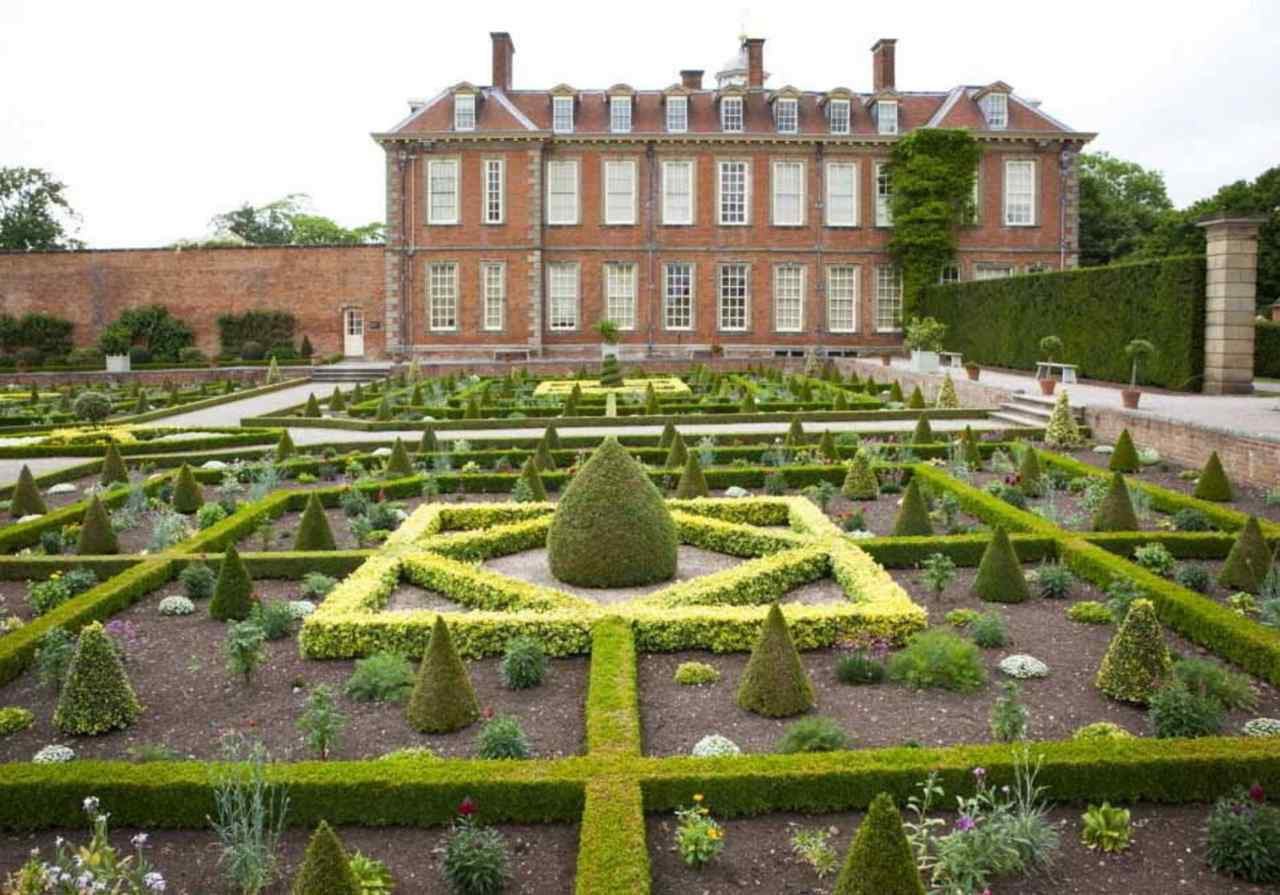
1069,510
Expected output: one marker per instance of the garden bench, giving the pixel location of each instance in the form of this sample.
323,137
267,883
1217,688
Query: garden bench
1065,373
951,359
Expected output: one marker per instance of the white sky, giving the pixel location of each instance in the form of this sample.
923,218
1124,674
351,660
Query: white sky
159,115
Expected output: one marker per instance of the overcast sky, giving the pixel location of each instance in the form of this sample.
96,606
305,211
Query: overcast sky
159,115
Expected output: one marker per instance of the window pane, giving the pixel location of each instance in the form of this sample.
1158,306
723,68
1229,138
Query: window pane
1019,193
888,299
839,112
562,114
733,296
733,192
493,282
992,271
884,196
677,114
842,299
442,185
620,192
562,192
731,114
620,114
788,193
442,284
678,296
842,194
887,117
677,192
788,115
493,191
464,113
788,298
620,294
562,294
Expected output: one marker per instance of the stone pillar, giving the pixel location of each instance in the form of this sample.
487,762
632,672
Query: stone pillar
1230,293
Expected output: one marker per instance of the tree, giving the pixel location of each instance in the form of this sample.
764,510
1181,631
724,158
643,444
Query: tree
1121,205
289,221
313,229
34,212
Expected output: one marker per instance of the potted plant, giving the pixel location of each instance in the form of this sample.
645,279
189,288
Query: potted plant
1137,351
924,339
610,335
115,342
1049,346
886,358
972,370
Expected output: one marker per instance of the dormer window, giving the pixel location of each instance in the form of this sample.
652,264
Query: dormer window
731,114
562,114
787,114
885,112
995,108
677,114
464,112
838,116
620,114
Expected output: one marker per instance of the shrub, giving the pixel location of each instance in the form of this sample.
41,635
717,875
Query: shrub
692,674
475,857
1090,612
1054,581
1192,576
53,657
1176,711
860,482
242,648
233,597
858,669
26,499
880,860
1121,593
990,630
938,658
775,484
923,433
524,663
531,481
187,497
1213,483
275,618
97,696
113,468
1191,519
1101,730
692,482
774,683
1233,689
321,723
1023,667
316,585
372,876
1009,715
176,605
314,532
325,870
442,700
1000,578
1125,456
14,719
714,746
1155,558
1249,560
502,737
1030,475
1244,837
1105,827
816,734
699,838
92,407
678,452
198,580
938,571
252,350
96,534
1116,512
210,515
1137,662
913,515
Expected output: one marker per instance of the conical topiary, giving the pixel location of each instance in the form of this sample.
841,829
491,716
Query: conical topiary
860,482
314,532
26,499
357,394
611,527
337,402
895,392
96,696
442,700
1248,561
795,433
748,404
384,410
880,861
668,435
947,397
1124,458
472,410
1062,429
141,405
97,537
840,402
187,496
969,443
312,409
1137,662
399,464
1030,475
233,597
533,481
1213,483
916,401
551,437
1116,512
924,432
692,482
774,683
113,468
326,869
678,453
416,397
273,372
284,447
1000,578
571,402
542,457
913,515
428,443
651,406
827,446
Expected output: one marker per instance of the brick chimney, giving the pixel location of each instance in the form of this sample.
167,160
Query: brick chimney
882,73
755,61
691,78
503,51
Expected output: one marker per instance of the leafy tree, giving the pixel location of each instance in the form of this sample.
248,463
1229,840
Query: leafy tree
1121,204
34,212
288,221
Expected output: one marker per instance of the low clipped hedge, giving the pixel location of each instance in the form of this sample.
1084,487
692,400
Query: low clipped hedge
963,550
613,705
220,439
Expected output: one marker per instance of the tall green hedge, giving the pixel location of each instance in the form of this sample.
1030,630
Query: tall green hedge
1095,311
1266,349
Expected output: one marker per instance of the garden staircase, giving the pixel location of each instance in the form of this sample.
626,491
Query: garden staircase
1030,411
352,371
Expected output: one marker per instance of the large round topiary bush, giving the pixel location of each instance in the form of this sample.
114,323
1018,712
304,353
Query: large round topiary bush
611,528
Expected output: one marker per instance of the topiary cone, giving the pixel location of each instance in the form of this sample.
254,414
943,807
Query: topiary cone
860,482
357,394
552,438
428,443
399,464
917,399
827,446
774,683
972,456
611,527
97,537
913,515
795,433
284,447
947,397
442,700
312,409
1125,456
141,405
1137,662
326,869
895,392
113,468
651,406
692,482
924,432
668,435
1213,483
1000,578
748,404
529,475
187,496
1248,561
678,453
841,402
97,696
384,410
416,397
880,860
1116,512
1030,475
314,532
233,597
336,401
26,500
542,457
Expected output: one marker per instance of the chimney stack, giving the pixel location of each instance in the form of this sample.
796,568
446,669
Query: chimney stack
503,51
755,61
691,78
882,73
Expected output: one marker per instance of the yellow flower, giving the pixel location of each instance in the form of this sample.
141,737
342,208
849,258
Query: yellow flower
697,797
713,833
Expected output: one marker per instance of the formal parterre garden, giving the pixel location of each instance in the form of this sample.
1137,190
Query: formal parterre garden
844,663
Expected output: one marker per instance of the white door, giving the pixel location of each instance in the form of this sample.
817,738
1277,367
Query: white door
353,332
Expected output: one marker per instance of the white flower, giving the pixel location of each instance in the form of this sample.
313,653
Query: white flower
1023,666
154,882
139,840
301,608
91,805
715,746
1262,727
54,754
176,605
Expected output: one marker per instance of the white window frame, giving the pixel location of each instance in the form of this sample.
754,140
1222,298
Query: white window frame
722,299
494,208
576,217
842,123
562,114
1021,214
444,216
888,297
620,288
950,273
619,205
670,217
722,166
679,282
493,295
993,270
563,307
995,109
677,114
737,119
840,276
884,194
887,117
464,111
832,196
786,115
619,114
781,169
442,296
788,298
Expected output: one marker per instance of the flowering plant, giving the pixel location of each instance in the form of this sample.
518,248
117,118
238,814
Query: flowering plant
699,838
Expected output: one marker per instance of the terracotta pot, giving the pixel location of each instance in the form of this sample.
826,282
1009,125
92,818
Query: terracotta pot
1047,386
1130,396
972,371
886,359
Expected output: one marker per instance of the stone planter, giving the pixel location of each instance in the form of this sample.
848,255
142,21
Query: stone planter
886,360
1047,386
972,371
118,363
925,362
610,351
1130,397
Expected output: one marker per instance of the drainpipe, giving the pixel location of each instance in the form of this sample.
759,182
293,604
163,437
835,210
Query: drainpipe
651,245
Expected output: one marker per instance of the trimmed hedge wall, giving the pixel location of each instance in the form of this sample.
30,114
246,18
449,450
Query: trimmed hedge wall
1266,349
1096,311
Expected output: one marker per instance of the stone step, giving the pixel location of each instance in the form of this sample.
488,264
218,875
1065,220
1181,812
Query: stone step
1013,418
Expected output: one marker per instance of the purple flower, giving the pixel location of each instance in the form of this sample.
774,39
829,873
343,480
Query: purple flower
964,822
1256,794
980,773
